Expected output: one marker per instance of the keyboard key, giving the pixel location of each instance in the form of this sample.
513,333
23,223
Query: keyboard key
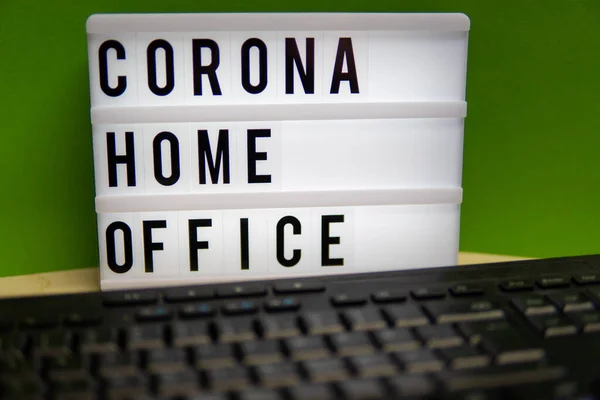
464,357
428,293
282,304
159,313
373,365
225,379
196,310
327,370
347,299
319,323
239,307
317,391
277,375
87,319
388,296
460,311
366,319
516,285
306,348
587,322
181,383
475,331
587,279
116,299
511,347
279,327
362,389
259,394
214,356
21,387
351,344
299,286
159,361
465,290
594,295
439,337
571,301
39,322
534,304
67,368
51,344
98,341
235,330
413,386
191,333
122,387
553,282
76,389
261,352
112,365
254,289
176,295
403,316
499,377
391,340
418,361
145,337
553,325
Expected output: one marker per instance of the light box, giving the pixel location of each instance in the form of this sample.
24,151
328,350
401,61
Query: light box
250,146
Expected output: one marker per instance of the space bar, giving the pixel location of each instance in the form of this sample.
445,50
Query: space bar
493,378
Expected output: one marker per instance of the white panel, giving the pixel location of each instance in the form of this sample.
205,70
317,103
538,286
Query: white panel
124,231
126,67
177,93
300,94
370,239
173,154
392,238
223,71
291,241
268,94
101,134
417,66
257,243
210,243
159,235
372,154
354,50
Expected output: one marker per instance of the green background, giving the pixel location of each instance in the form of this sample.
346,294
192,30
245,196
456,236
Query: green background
531,163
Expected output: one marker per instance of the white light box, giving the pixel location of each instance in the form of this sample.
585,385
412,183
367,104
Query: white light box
252,146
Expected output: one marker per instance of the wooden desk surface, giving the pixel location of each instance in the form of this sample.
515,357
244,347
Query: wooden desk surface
86,279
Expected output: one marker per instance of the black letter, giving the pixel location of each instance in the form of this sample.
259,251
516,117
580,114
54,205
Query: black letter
344,51
262,57
253,155
297,230
157,150
210,69
292,56
205,156
244,245
113,159
149,245
103,64
151,62
327,240
111,254
195,245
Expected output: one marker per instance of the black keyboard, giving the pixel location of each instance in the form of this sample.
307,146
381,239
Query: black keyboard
521,330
